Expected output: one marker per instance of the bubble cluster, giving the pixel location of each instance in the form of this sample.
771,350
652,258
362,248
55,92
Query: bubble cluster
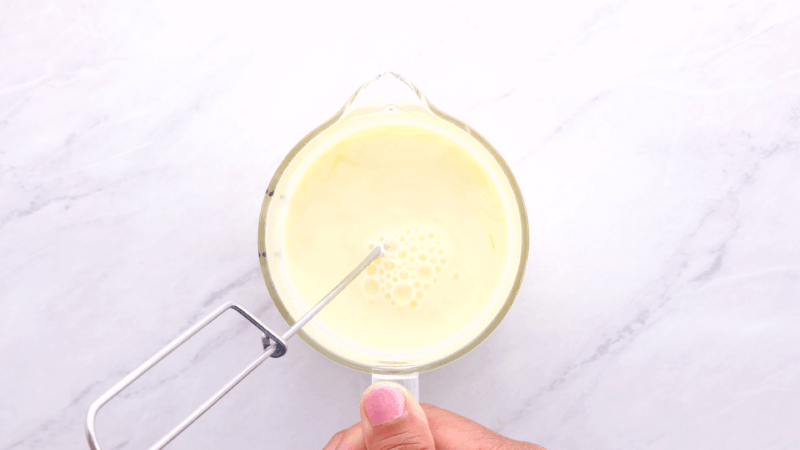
407,269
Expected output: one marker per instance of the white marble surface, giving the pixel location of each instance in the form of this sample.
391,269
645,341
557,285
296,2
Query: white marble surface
657,145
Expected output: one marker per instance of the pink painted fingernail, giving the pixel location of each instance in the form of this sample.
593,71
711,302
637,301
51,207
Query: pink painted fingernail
384,403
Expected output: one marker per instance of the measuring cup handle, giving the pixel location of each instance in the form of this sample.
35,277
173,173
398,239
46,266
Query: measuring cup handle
274,346
409,381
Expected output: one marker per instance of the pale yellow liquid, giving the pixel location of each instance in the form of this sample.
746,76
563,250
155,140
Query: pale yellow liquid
447,213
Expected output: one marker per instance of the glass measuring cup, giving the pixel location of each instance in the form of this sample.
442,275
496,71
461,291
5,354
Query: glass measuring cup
388,96
392,100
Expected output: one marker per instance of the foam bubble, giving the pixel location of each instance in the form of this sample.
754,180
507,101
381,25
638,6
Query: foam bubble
371,286
403,291
391,245
407,267
425,272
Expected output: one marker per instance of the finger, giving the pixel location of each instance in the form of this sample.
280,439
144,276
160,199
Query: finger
353,439
392,418
334,442
451,431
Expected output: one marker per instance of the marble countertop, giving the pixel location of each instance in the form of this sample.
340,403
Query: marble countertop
657,146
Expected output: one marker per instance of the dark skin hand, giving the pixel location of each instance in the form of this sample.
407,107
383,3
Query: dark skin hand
392,419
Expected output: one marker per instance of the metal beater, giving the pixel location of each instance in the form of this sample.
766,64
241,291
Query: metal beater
274,347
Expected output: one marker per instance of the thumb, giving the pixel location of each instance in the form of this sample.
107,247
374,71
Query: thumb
391,418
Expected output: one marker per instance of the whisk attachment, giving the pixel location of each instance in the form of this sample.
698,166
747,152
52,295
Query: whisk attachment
274,346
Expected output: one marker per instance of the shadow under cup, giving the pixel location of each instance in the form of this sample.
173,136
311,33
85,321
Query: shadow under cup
390,363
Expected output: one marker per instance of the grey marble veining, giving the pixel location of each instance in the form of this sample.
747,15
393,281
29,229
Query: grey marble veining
657,145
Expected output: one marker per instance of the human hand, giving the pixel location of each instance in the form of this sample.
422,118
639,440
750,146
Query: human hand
391,418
